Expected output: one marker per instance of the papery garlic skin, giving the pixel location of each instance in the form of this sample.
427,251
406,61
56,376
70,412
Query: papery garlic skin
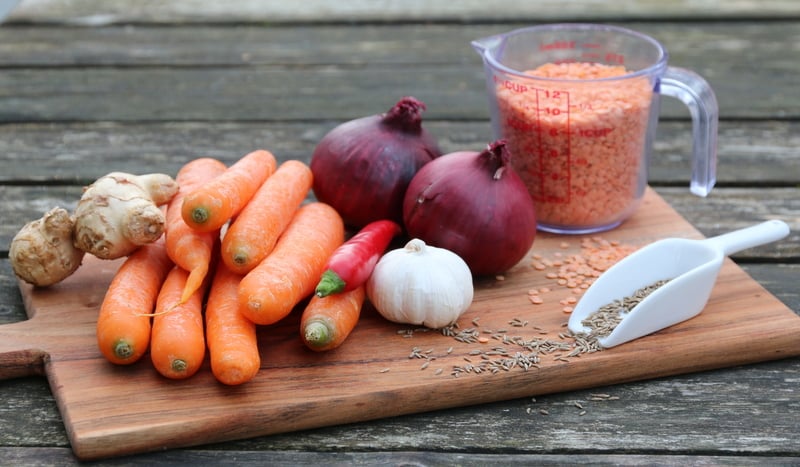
422,285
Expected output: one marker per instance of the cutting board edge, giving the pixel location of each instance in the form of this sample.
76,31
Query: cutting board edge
89,449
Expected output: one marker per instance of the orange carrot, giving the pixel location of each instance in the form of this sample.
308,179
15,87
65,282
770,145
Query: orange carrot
209,207
289,274
123,323
327,321
177,342
252,236
187,247
231,338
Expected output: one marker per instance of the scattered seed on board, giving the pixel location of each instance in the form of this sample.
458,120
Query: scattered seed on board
570,345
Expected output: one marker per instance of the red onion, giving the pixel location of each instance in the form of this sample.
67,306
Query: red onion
363,167
475,205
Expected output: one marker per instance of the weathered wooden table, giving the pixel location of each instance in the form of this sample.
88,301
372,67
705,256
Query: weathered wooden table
90,87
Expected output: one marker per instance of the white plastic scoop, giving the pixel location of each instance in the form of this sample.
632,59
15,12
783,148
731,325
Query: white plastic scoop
692,267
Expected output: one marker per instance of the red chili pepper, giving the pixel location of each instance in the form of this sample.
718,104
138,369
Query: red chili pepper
352,263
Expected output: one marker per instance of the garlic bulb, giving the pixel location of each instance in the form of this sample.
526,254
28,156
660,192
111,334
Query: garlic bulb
421,284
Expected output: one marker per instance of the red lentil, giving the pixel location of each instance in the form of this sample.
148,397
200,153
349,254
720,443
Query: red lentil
579,146
576,272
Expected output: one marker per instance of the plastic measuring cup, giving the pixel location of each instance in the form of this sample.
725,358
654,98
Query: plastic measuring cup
581,131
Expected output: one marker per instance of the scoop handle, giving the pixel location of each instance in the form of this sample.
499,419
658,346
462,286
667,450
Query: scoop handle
749,237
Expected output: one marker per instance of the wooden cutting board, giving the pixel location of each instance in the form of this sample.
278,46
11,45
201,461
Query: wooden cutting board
383,369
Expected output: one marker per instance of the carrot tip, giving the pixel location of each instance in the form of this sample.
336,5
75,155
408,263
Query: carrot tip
178,365
123,350
329,283
317,334
240,258
200,215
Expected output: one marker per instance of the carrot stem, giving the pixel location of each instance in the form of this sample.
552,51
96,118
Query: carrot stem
317,334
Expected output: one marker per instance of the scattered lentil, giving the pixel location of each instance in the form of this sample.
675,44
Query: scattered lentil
575,272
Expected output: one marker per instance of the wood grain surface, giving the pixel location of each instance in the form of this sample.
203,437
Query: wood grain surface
110,411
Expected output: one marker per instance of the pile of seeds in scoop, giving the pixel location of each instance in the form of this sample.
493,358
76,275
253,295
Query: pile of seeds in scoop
603,321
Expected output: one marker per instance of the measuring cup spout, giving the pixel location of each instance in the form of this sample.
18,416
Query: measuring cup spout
485,44
749,237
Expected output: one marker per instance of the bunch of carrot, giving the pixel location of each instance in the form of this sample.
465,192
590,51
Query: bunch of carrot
203,286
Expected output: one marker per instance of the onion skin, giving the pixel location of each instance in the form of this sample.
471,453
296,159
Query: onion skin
362,168
475,205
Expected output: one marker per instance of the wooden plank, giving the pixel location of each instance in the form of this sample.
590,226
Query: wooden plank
60,456
449,79
690,43
761,152
164,414
213,94
88,12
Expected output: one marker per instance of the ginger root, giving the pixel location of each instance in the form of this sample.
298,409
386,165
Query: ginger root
42,252
120,212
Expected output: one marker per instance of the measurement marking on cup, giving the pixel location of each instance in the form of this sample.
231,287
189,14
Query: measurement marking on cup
553,104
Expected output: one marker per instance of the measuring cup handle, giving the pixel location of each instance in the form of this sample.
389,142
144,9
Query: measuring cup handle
695,92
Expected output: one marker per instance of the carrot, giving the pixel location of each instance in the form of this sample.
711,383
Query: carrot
123,323
187,247
231,338
209,207
352,263
252,236
178,345
327,321
289,274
